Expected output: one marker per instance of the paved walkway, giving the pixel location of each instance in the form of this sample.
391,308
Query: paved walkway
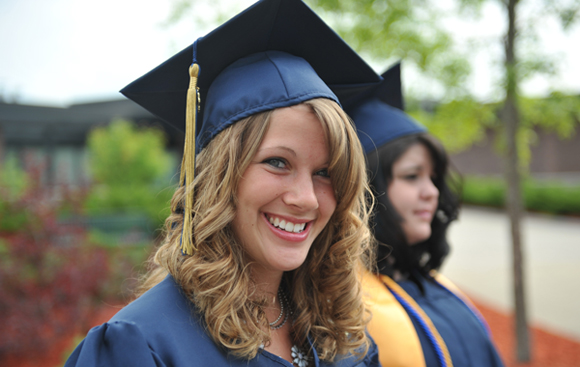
480,264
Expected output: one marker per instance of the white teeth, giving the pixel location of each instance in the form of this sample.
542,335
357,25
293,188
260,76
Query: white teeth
287,226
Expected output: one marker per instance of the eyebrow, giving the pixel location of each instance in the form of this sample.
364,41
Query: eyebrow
413,168
289,150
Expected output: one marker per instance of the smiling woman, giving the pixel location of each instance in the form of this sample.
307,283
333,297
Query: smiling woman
261,259
278,165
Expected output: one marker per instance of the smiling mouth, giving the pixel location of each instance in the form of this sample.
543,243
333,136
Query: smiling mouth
286,225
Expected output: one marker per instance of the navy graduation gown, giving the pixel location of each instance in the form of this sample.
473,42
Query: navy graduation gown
466,338
161,329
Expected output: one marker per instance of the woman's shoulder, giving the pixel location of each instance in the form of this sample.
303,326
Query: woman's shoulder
157,329
114,344
164,311
161,304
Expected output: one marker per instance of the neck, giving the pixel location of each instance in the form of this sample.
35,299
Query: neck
267,281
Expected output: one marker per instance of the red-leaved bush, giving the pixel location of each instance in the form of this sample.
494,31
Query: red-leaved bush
50,275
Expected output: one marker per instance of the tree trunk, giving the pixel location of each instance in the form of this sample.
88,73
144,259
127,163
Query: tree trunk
510,117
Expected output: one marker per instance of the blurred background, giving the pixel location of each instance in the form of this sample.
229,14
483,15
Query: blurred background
86,176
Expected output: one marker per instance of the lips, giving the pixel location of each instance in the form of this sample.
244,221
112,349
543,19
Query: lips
424,214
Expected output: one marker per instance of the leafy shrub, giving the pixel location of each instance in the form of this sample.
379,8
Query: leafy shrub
50,274
13,182
483,191
131,170
542,196
552,197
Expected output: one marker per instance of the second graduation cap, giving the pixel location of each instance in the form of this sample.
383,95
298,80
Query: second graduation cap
378,112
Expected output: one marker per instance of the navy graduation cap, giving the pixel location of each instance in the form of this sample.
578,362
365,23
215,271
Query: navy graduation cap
276,53
378,112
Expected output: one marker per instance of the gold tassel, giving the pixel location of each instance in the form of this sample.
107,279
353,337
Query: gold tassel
188,161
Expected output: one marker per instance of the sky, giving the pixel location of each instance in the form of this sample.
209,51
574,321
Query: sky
60,52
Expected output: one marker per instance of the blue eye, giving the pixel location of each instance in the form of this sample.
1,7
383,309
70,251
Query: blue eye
276,162
323,173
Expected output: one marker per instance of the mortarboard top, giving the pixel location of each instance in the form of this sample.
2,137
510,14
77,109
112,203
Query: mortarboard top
276,53
378,112
289,26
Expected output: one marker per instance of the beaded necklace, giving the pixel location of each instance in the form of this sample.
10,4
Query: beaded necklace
299,358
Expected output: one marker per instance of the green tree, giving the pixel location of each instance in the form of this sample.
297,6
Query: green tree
458,123
130,167
517,67
400,30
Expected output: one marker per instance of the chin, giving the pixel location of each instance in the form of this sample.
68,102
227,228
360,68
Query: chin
288,263
419,236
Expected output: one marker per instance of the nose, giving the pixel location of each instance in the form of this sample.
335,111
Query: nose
301,193
429,190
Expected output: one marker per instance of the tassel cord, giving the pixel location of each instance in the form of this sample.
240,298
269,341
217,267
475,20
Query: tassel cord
188,162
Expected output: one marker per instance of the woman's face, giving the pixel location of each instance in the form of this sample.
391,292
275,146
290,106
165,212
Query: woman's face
413,194
285,197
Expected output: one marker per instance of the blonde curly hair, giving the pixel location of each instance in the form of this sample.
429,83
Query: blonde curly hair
325,291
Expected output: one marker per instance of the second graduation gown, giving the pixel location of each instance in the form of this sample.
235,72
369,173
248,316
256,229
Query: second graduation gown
404,342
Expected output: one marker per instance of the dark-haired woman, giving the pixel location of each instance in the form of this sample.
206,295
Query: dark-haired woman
419,317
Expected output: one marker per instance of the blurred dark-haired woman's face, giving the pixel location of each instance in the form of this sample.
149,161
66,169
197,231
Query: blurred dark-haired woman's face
413,194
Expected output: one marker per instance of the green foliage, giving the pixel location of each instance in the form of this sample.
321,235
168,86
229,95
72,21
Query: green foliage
130,198
399,29
558,112
461,123
458,123
552,198
541,196
130,167
121,153
13,179
13,183
483,191
568,12
525,138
